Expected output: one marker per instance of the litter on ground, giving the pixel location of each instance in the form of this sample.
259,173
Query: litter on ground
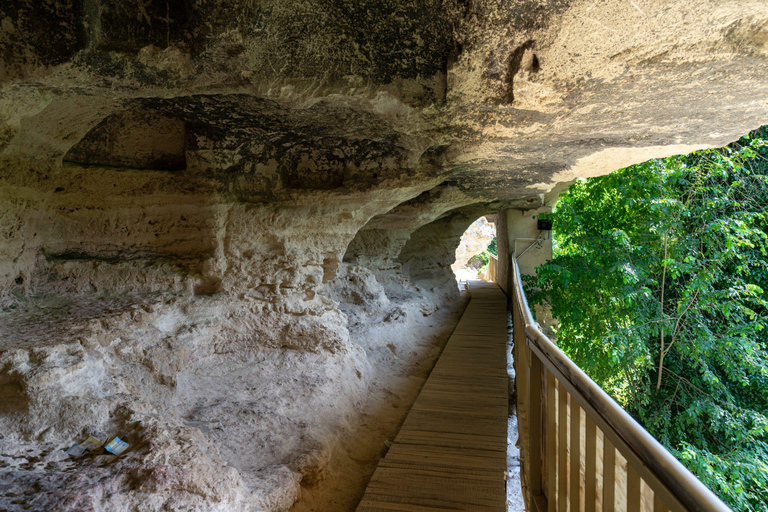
116,446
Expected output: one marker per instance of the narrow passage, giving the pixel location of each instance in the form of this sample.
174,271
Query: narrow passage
451,452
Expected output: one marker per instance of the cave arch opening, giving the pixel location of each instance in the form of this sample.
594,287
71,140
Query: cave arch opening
475,249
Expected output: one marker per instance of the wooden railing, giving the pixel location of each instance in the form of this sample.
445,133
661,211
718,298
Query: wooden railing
491,274
580,449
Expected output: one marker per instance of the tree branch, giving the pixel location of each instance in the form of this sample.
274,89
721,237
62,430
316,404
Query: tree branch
663,282
677,324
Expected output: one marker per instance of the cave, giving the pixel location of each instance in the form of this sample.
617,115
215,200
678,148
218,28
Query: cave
227,227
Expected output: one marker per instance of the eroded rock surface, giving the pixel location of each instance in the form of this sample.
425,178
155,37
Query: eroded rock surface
226,228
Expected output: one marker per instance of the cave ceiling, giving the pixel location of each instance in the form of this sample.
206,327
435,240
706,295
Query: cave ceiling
496,102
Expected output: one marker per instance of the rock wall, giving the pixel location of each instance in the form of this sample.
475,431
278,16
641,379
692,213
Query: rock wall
226,228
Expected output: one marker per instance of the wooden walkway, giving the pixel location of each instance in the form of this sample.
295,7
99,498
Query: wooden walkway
450,453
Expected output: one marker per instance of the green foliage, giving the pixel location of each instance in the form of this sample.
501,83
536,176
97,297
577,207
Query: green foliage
658,282
492,247
481,257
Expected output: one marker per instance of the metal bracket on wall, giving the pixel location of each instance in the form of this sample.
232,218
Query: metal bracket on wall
534,241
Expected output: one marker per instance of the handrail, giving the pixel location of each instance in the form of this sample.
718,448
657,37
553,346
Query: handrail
669,479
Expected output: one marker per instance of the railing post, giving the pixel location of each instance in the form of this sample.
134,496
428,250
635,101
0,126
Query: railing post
609,475
534,422
551,444
590,466
633,490
562,448
574,455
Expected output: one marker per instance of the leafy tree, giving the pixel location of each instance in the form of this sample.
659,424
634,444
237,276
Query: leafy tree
658,282
492,247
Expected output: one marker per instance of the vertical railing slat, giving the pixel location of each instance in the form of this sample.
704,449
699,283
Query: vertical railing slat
658,505
562,442
551,446
575,455
590,466
534,422
633,490
609,475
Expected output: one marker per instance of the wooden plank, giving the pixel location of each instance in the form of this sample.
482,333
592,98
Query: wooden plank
534,423
575,456
658,504
562,450
551,444
373,505
450,453
438,456
609,475
590,465
633,490
451,440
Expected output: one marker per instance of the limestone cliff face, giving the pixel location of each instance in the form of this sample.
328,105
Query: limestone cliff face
207,206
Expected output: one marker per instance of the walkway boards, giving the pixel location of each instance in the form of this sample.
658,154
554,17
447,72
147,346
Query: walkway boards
451,451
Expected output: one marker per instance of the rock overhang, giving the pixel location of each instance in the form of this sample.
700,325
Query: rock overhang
525,97
267,181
